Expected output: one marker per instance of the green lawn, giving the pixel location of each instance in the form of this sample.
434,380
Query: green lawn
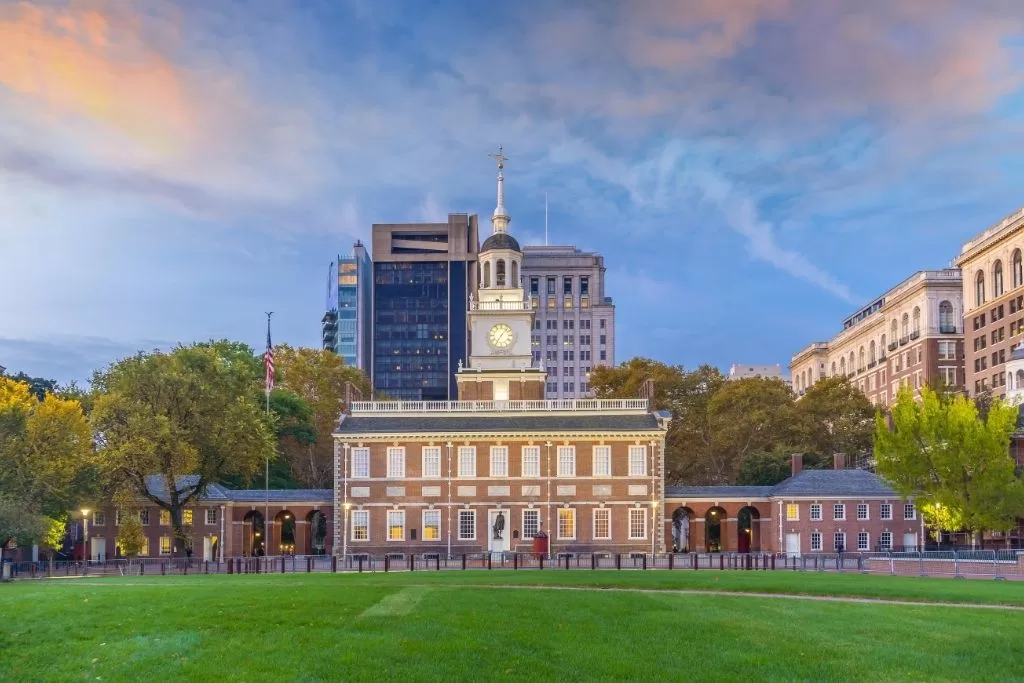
455,626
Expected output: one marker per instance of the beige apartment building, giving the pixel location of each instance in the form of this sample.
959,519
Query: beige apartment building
912,335
993,295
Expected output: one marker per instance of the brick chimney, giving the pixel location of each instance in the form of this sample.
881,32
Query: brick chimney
798,463
839,461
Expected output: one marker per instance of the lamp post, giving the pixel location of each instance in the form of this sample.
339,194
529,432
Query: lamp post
344,533
449,525
85,534
654,526
550,529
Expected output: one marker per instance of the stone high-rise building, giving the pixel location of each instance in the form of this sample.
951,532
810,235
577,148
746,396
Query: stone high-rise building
910,336
574,325
993,295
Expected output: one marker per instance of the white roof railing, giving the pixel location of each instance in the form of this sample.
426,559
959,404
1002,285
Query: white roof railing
548,405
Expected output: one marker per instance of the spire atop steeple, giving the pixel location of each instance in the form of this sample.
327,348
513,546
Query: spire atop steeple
500,219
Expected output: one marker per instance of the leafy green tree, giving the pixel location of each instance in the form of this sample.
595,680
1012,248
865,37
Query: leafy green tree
40,386
322,381
773,467
193,411
956,465
46,449
130,536
834,416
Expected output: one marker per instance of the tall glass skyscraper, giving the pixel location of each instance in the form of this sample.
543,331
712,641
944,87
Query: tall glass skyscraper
423,274
346,326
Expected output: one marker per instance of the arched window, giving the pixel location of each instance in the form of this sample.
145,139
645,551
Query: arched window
487,273
803,380
881,349
833,368
1020,378
871,352
946,323
895,332
917,320
997,279
860,359
905,328
499,273
1018,269
842,366
979,288
515,274
852,366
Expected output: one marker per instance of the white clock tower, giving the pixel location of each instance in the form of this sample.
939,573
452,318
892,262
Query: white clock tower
501,366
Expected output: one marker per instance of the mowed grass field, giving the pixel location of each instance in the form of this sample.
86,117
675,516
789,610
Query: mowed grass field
454,626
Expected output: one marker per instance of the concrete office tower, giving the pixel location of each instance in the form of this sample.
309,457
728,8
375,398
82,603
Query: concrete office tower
346,326
574,328
423,276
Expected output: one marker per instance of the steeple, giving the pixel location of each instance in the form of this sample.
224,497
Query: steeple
500,219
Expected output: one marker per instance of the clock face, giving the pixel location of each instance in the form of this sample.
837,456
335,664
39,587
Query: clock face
500,336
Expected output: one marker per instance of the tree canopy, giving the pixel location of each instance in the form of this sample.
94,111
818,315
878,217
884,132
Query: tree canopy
955,463
194,411
728,431
319,383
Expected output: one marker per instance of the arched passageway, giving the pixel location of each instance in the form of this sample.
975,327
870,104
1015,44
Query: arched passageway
714,525
682,518
748,523
285,522
316,523
253,534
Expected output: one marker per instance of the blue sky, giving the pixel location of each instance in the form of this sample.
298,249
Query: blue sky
753,171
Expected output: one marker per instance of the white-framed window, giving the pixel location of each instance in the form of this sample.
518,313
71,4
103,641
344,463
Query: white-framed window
431,525
792,512
467,461
567,461
118,516
602,461
816,541
186,517
863,541
144,517
885,511
637,524
467,525
360,463
431,462
165,517
839,511
602,523
638,461
165,545
947,349
499,461
99,518
948,376
839,541
144,550
531,461
862,511
815,512
909,512
566,523
360,525
396,525
396,462
531,522
885,540
211,516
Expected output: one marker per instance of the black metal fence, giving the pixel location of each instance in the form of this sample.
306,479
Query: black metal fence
997,564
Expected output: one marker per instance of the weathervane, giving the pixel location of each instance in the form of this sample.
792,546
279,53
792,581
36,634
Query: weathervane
499,157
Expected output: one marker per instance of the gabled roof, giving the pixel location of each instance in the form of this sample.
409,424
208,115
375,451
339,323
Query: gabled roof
844,483
834,483
469,423
157,486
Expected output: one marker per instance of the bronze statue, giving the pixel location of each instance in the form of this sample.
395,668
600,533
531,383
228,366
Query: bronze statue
499,526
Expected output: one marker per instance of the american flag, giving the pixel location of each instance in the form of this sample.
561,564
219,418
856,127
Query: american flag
268,362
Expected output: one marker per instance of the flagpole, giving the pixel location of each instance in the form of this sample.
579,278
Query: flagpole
266,470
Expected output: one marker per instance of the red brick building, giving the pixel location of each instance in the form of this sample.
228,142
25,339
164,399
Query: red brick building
812,511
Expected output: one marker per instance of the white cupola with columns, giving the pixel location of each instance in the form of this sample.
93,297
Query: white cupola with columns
1015,376
501,365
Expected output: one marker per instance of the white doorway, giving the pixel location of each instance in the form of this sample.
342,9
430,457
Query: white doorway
98,549
793,545
910,542
498,530
208,549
